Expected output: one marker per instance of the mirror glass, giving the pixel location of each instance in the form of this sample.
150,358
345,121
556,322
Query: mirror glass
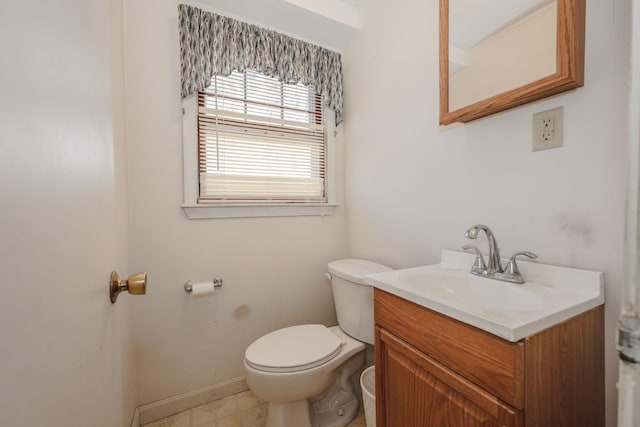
498,54
498,45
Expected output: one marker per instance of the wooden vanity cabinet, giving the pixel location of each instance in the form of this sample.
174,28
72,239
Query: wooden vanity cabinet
434,371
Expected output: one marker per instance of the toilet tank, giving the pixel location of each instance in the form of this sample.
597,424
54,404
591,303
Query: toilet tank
353,297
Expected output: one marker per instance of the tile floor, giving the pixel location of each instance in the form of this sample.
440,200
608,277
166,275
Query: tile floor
240,410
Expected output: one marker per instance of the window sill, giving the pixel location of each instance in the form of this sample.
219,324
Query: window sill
256,211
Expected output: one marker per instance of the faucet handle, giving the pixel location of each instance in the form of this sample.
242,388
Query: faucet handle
512,268
478,264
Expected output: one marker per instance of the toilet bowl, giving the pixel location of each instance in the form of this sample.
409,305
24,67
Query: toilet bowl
305,371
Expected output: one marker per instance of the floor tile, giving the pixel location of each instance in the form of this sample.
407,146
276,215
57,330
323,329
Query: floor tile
182,419
240,410
204,416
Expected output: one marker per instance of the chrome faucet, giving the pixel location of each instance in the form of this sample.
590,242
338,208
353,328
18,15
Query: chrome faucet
494,269
495,266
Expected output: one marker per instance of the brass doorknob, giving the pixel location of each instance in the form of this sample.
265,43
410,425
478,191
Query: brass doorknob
136,284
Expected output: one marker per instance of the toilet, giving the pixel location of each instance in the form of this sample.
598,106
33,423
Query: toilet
305,371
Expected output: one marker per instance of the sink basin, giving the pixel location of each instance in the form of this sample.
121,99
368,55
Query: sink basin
551,294
470,290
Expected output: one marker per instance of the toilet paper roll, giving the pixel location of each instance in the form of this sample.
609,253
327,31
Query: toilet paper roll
202,289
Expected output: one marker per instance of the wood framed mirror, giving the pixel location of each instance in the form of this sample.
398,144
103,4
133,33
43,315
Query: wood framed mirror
497,57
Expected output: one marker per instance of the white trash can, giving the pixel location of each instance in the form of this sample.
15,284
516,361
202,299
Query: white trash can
368,385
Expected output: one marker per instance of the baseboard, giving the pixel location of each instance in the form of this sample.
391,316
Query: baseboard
135,421
182,402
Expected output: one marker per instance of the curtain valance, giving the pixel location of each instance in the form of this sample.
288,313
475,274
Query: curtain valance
211,44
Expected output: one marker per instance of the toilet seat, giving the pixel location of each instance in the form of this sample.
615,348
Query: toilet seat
293,349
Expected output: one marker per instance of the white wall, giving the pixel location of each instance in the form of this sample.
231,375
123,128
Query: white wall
272,267
413,188
66,356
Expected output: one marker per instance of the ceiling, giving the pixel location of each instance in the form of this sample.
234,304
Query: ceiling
357,3
466,29
328,23
334,23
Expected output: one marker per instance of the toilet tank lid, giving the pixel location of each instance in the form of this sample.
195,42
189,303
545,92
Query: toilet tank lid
355,270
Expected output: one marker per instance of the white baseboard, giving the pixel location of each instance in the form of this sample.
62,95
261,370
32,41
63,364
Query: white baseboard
135,421
182,402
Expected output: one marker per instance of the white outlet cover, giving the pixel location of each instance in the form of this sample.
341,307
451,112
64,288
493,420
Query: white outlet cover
548,129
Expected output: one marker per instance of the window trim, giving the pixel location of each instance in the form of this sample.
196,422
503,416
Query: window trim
195,210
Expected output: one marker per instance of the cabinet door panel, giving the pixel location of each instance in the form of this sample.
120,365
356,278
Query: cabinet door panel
416,391
489,361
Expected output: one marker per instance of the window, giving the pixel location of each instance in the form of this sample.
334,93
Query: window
264,149
260,141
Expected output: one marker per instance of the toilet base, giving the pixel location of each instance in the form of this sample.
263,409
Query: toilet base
339,404
301,414
289,414
335,407
333,419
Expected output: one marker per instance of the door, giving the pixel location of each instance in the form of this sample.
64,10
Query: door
629,325
419,392
65,350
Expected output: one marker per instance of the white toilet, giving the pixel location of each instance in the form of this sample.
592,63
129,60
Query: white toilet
304,371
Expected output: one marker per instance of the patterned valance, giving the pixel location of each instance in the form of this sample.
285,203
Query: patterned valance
211,44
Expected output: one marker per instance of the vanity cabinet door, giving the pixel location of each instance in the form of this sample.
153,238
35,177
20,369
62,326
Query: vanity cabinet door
490,362
416,391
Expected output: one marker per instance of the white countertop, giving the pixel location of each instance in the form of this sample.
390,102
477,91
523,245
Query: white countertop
550,295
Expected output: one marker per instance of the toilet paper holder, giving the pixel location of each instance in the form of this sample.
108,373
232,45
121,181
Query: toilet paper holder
217,282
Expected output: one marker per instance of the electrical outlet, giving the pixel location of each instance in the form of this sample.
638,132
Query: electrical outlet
547,129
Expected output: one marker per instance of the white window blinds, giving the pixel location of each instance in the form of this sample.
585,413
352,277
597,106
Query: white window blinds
260,141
